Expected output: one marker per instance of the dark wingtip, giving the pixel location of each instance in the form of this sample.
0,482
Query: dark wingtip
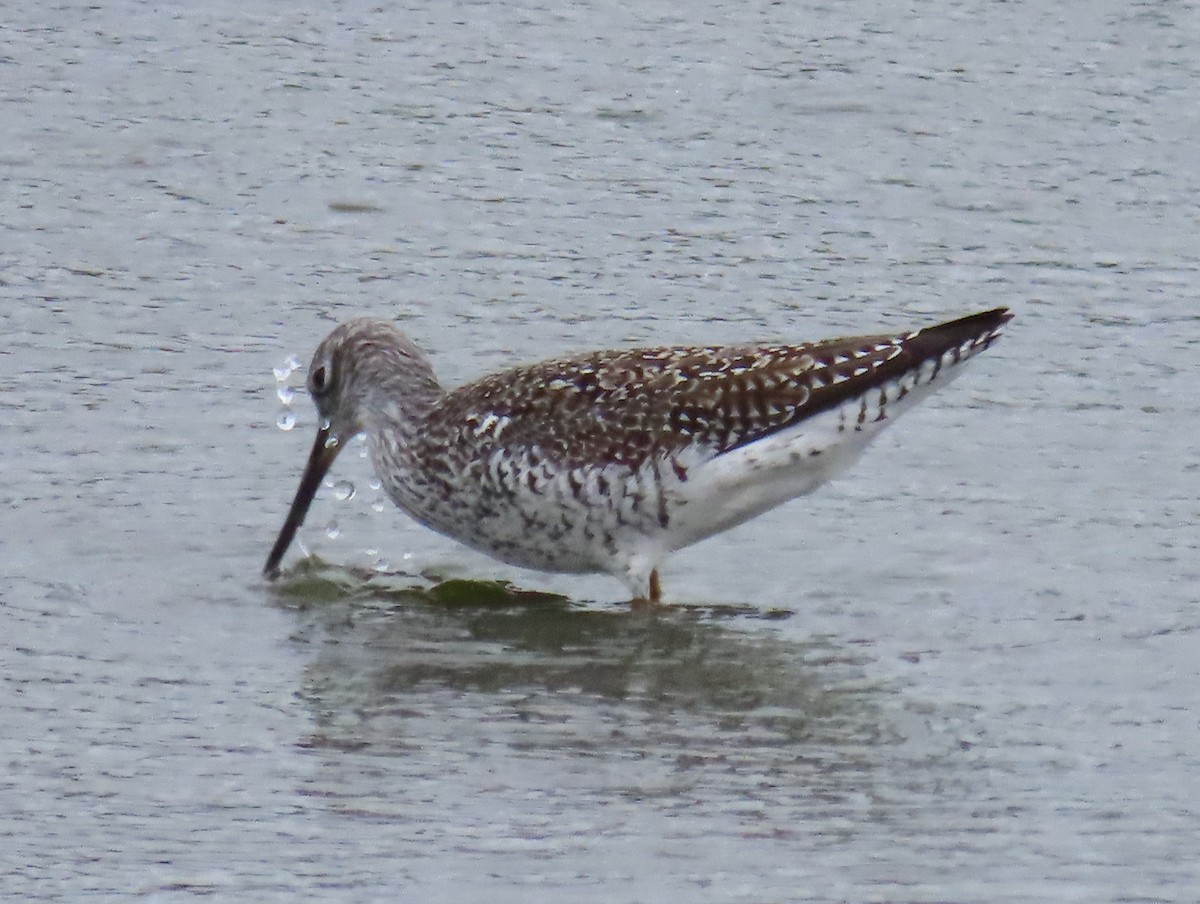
978,323
982,328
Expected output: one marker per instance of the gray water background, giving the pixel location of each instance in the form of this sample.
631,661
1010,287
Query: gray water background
967,672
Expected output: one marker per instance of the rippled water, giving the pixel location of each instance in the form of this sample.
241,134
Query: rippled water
965,673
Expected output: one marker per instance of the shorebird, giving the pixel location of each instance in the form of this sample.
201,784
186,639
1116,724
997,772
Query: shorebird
609,461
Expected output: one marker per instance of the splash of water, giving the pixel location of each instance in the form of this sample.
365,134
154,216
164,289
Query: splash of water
286,419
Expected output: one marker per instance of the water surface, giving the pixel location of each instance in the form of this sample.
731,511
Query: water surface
967,672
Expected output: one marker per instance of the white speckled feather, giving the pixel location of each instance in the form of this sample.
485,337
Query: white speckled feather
609,461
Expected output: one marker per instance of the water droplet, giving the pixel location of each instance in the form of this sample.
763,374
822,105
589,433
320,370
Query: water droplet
343,490
286,368
375,484
333,530
285,393
286,420
378,507
380,564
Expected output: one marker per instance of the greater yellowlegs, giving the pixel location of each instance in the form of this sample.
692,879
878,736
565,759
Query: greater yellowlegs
609,461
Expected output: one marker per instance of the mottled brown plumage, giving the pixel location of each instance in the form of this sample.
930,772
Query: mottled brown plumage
610,460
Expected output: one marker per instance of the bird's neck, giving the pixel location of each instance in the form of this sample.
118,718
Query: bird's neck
400,398
399,402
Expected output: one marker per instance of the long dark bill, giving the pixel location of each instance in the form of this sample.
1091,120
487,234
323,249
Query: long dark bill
322,456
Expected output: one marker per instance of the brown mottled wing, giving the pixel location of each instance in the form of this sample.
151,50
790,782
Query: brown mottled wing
625,406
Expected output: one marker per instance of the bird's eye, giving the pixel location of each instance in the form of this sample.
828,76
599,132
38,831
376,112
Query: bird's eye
318,380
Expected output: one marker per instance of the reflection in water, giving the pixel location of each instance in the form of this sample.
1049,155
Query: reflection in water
472,733
463,671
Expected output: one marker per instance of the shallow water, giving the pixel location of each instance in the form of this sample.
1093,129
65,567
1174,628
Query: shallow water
966,672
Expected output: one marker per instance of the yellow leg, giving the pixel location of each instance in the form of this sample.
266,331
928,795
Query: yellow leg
652,600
